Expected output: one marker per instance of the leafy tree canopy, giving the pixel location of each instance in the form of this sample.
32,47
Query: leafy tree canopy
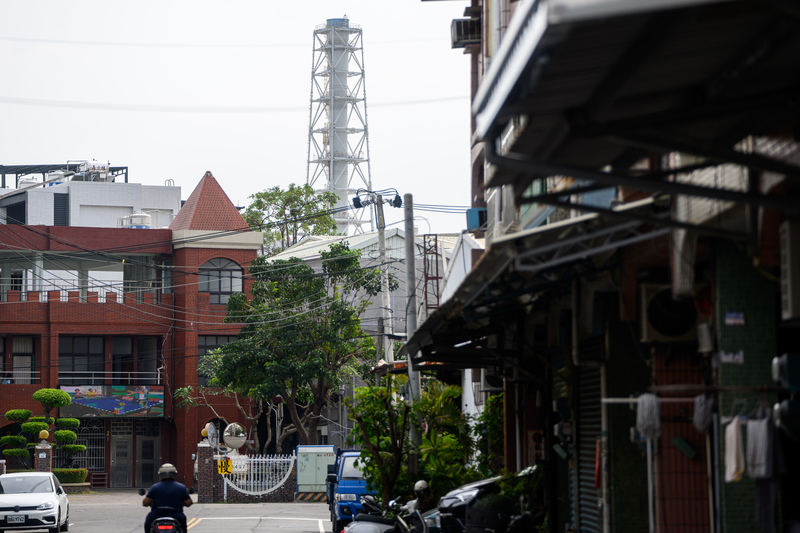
286,217
301,334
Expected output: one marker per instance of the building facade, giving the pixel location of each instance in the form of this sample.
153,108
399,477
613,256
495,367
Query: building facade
118,316
639,162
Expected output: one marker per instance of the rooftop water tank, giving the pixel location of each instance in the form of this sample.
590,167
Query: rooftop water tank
136,221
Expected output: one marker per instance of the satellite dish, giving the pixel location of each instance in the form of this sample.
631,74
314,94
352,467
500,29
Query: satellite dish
234,436
213,435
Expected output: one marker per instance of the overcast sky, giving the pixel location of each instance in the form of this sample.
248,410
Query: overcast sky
172,89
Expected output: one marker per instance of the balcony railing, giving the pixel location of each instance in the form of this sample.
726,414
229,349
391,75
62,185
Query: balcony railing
19,377
84,377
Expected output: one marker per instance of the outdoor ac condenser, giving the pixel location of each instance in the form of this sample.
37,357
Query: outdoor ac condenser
664,319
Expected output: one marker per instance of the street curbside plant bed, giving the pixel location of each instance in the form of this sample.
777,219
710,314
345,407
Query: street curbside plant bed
71,475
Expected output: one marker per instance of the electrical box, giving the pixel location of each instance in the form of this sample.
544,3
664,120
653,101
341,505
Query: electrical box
476,218
312,467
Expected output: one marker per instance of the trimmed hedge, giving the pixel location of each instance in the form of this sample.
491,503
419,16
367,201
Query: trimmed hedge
72,449
17,452
33,428
67,423
14,441
71,475
49,420
52,398
18,415
65,436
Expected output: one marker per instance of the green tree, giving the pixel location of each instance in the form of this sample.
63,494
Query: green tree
490,438
447,442
382,435
285,217
384,415
301,335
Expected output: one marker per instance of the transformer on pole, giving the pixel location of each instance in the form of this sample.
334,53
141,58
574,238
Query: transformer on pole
338,140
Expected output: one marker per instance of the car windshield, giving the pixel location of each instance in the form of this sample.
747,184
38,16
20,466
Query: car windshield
24,484
350,470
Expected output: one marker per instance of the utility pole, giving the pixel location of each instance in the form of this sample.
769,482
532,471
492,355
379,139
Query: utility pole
411,322
384,322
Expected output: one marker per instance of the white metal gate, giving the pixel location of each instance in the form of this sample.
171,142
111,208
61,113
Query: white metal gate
259,474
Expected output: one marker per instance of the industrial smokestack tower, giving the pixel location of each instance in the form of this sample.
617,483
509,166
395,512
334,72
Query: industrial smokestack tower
338,140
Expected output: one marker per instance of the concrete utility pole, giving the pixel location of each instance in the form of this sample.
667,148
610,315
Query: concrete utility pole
384,322
411,319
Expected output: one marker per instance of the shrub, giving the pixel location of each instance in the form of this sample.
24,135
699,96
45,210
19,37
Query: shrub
71,475
13,441
68,423
18,453
18,415
33,428
52,398
72,449
49,420
65,436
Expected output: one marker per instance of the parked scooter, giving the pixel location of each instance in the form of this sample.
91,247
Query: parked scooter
371,519
376,521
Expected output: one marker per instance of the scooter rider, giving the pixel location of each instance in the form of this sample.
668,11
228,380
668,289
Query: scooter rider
167,493
423,502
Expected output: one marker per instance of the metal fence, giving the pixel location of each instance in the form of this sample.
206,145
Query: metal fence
259,474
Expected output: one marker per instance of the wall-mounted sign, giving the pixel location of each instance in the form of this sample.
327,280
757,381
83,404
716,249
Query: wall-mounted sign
114,401
734,318
732,357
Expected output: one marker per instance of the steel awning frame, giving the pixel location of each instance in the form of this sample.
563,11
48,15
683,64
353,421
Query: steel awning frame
537,25
642,93
517,272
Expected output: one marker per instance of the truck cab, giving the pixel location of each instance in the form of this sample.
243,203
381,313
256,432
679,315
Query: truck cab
345,486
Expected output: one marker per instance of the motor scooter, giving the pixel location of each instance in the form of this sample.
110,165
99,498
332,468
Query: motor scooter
166,524
376,521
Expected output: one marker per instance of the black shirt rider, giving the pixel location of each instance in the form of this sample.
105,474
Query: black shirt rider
167,493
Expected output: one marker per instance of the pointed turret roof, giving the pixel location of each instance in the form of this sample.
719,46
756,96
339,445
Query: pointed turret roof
208,208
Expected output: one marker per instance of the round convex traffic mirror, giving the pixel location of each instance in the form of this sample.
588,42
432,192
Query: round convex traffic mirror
234,436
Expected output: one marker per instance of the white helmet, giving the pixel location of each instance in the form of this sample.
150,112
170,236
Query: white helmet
167,471
420,488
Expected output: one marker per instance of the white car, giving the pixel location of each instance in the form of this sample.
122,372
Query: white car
33,500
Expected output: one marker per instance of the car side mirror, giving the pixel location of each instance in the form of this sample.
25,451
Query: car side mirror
141,492
331,478
330,469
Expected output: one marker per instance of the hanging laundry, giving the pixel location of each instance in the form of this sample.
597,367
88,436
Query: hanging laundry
703,412
734,451
648,415
764,464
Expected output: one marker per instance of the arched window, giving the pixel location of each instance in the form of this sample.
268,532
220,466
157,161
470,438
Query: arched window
220,278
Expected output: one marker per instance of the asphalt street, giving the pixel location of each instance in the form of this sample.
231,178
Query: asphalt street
121,511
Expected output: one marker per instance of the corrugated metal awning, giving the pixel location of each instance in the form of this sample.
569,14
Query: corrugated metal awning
516,272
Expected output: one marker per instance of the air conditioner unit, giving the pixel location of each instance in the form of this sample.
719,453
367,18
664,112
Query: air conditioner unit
464,32
491,380
664,319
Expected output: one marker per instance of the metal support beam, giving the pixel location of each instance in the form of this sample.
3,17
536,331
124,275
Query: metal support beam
539,168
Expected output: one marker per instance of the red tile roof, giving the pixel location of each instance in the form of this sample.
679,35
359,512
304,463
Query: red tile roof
208,208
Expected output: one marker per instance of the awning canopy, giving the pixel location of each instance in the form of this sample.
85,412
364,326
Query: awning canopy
597,84
519,271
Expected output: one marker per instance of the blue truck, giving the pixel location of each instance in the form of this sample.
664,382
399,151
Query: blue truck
345,486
